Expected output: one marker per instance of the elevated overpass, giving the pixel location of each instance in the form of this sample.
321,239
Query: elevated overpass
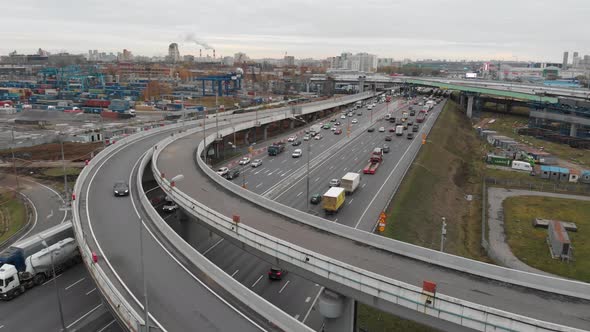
358,275
352,262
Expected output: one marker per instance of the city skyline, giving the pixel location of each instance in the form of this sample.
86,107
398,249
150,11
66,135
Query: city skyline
423,29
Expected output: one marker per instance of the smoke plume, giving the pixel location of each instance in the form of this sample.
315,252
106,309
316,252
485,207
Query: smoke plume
190,37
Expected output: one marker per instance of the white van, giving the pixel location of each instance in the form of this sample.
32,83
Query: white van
399,130
522,166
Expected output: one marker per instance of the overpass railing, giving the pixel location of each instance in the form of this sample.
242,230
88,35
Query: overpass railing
445,307
125,310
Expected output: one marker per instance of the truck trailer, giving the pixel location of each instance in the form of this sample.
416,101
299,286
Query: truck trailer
276,148
374,162
333,200
29,263
350,181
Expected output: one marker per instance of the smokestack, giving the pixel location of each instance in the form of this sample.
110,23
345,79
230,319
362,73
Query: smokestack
200,55
213,53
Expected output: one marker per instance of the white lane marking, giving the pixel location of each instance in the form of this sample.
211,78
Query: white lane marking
364,184
271,173
297,316
74,284
56,194
259,185
36,217
50,280
233,274
350,201
307,299
300,194
316,180
357,158
345,168
212,247
282,288
150,190
335,220
104,328
254,284
284,161
342,157
331,167
89,292
1,326
83,316
50,214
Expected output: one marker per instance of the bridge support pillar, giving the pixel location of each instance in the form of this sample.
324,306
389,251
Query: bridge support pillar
574,130
291,124
470,106
462,100
265,132
338,311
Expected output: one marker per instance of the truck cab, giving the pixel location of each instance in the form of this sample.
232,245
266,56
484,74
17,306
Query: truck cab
10,285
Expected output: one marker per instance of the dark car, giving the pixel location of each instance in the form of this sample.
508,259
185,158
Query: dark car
415,128
410,123
371,129
333,120
276,273
232,174
296,143
412,113
315,199
121,189
410,136
337,131
392,120
388,138
385,148
337,123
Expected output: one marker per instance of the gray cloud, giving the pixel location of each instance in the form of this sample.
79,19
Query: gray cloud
458,29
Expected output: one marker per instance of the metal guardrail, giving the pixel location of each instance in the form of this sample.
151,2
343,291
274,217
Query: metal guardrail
467,313
123,308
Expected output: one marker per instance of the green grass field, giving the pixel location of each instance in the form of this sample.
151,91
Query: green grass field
13,215
529,243
58,171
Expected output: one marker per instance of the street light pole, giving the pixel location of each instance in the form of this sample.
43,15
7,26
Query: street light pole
307,172
14,161
443,234
204,137
61,314
145,295
63,162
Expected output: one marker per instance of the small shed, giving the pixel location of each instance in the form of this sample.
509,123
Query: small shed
574,175
555,173
585,176
559,241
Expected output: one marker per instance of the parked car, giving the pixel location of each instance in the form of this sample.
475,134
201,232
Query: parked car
388,138
297,153
315,199
234,173
333,129
223,171
381,129
121,188
335,183
245,161
385,148
337,123
256,162
412,113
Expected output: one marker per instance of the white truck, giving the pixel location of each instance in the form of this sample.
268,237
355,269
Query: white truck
29,263
399,130
315,129
350,181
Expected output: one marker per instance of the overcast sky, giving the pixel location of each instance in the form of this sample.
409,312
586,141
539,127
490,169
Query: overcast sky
417,29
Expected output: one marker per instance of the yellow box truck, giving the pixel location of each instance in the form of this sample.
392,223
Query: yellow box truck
333,199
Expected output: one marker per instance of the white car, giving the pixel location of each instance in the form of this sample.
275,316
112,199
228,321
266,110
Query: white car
370,107
354,121
245,161
350,114
381,129
223,171
291,138
170,207
306,137
297,153
343,116
318,137
256,162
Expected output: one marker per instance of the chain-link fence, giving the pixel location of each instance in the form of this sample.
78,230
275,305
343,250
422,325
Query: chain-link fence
574,188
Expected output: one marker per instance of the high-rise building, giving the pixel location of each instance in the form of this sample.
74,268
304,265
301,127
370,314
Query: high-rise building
289,61
173,53
565,59
576,60
358,62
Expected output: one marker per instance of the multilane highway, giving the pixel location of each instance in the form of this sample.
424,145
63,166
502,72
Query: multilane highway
514,299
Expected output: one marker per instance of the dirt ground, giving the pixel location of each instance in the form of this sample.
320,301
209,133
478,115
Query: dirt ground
52,151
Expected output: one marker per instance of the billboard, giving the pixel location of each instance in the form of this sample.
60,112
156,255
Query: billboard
470,75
